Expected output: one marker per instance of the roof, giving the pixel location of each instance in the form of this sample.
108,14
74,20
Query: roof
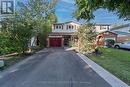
61,33
102,24
108,31
68,22
120,26
121,33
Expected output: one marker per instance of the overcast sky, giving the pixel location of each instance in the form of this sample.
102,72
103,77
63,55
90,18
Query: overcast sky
65,9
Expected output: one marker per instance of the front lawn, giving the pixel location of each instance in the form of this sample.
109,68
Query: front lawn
115,61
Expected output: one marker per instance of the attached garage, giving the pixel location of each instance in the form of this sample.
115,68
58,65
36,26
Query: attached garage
101,37
55,42
59,39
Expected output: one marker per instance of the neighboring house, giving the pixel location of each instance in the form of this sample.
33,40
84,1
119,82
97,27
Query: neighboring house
123,32
101,37
102,27
104,33
62,34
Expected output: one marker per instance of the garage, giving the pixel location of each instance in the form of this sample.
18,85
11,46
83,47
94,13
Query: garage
103,36
55,42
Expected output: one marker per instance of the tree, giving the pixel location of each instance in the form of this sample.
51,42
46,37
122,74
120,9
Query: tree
5,45
33,18
86,37
41,15
85,8
17,33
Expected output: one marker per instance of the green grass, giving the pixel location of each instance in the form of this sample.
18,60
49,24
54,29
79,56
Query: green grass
115,61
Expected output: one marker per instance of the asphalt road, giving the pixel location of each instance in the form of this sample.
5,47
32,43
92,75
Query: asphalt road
54,67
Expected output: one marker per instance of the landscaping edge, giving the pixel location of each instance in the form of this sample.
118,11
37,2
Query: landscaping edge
107,76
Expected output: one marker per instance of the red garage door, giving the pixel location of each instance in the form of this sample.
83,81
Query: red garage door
55,42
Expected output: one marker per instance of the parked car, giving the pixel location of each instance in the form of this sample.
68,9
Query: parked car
125,45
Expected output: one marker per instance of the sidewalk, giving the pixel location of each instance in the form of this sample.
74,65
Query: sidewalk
111,79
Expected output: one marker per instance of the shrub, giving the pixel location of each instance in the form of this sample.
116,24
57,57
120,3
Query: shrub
110,42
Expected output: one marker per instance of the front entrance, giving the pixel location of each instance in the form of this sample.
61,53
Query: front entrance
55,42
67,39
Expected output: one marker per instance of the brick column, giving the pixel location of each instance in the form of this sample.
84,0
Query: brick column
48,42
62,42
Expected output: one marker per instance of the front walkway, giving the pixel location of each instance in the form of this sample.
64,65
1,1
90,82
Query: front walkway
52,68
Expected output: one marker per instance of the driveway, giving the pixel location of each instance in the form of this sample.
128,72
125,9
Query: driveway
54,67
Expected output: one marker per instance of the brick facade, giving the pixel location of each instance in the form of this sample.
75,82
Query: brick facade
123,38
100,39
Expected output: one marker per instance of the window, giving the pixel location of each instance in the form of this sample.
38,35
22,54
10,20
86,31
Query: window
59,27
103,28
7,7
108,27
72,27
69,26
56,26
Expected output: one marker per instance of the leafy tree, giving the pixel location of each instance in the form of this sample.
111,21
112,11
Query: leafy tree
33,18
86,37
85,8
18,34
41,15
5,43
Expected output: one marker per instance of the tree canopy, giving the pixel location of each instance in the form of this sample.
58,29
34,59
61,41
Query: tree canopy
33,18
85,8
38,12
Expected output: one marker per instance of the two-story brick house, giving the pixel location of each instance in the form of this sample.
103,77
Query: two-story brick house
62,34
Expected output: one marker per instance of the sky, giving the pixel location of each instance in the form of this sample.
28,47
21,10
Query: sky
66,8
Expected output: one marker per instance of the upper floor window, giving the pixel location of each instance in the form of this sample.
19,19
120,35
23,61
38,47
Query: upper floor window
56,26
59,26
69,26
103,27
72,27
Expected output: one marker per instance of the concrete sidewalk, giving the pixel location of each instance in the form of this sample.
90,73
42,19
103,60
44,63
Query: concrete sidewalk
111,79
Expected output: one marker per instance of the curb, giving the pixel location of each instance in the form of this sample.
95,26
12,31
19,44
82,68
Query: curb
107,76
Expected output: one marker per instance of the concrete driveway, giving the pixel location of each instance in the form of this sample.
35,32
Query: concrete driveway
53,67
